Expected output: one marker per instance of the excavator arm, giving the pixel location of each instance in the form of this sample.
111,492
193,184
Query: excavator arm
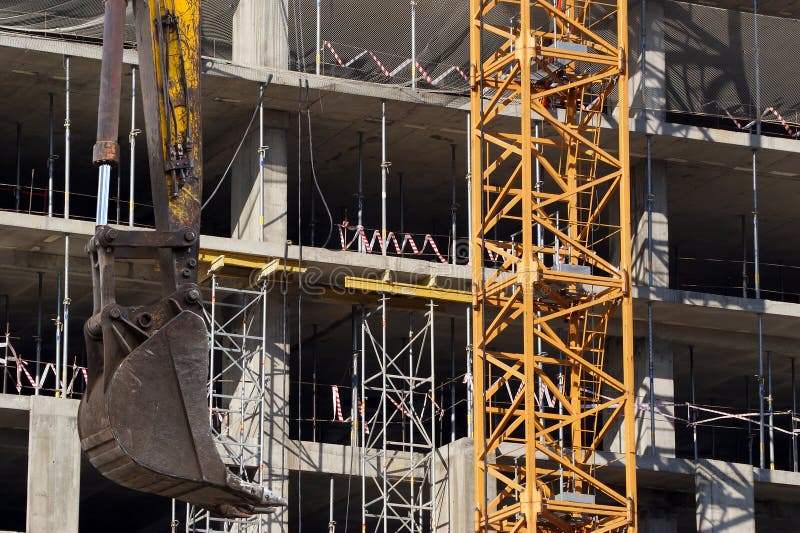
144,421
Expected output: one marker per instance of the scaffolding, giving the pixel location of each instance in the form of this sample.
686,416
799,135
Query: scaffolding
236,393
399,388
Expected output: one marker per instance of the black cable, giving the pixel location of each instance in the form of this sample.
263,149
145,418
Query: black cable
314,171
238,148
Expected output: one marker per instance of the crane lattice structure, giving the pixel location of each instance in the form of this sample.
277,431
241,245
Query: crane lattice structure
550,207
399,415
236,393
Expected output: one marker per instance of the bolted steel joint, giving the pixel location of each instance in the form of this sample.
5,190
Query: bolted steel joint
193,296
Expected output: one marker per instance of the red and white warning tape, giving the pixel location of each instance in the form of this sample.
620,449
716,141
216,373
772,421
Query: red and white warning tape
335,54
795,133
337,404
399,68
369,245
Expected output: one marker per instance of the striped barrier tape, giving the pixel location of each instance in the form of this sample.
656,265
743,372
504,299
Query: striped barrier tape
399,68
337,404
377,243
335,54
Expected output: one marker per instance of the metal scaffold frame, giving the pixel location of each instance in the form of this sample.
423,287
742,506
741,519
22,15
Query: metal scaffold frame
236,393
401,495
546,393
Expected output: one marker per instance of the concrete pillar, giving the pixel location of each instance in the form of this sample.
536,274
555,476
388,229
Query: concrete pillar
261,39
660,233
454,505
664,396
261,33
245,187
276,423
724,497
648,101
54,465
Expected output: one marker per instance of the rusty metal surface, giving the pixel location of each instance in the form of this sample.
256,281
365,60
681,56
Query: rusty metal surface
144,420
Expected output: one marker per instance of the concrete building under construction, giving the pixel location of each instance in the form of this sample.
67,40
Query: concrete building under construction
336,256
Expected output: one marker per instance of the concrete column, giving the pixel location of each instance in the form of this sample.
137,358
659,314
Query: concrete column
455,507
724,497
54,465
276,423
650,95
664,396
261,39
660,234
245,187
261,33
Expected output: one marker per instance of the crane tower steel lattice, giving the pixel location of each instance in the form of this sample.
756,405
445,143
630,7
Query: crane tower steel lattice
551,262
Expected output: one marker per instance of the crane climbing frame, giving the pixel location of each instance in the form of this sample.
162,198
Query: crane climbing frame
544,74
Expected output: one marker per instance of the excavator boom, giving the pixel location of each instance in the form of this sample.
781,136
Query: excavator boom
144,419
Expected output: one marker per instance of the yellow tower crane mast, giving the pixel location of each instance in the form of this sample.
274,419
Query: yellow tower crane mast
551,265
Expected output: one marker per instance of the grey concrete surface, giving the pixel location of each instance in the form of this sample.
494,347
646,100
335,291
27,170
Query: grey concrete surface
725,499
54,466
455,487
640,245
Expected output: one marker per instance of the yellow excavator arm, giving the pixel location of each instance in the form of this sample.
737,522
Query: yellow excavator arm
144,420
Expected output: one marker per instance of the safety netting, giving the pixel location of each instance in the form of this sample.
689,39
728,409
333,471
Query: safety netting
710,66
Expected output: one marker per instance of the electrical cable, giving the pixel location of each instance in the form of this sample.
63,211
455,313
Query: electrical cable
238,148
314,171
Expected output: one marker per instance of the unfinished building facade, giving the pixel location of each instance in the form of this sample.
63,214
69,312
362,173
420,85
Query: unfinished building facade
335,259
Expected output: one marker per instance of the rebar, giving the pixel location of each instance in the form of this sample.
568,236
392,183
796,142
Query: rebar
51,158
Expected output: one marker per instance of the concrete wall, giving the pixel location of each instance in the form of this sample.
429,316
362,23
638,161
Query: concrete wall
455,487
724,497
54,466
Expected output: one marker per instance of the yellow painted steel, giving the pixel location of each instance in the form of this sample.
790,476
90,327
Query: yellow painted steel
407,289
544,74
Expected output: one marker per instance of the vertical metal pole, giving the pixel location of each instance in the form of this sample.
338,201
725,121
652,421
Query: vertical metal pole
470,406
360,199
319,45
58,335
650,355
384,430
66,303
363,410
756,267
38,338
19,167
412,418
469,193
331,523
693,412
212,342
51,159
414,45
432,449
67,136
384,175
744,257
771,413
794,423
402,204
62,372
132,142
314,383
8,339
749,431
453,203
261,162
452,379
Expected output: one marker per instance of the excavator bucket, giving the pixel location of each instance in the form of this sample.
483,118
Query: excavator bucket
144,422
